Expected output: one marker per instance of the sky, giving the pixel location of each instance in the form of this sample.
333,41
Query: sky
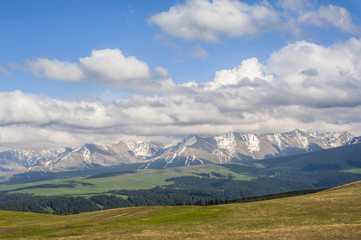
96,71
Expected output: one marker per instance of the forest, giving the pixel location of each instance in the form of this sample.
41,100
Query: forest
201,189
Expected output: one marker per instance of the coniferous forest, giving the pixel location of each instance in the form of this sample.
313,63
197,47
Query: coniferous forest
205,189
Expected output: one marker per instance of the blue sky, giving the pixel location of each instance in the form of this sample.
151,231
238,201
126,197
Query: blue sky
93,71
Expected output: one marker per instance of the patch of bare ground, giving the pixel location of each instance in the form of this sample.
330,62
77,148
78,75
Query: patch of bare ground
135,212
4,230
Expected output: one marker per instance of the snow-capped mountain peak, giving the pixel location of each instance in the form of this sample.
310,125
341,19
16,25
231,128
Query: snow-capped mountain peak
143,149
191,150
183,144
252,140
227,142
334,139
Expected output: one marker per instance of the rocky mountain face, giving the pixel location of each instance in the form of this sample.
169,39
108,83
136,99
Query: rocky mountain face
87,156
13,160
355,140
190,151
91,155
239,146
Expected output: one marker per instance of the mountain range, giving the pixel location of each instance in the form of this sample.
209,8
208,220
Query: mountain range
225,148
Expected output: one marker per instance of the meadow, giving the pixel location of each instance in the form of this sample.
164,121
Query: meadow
329,214
102,183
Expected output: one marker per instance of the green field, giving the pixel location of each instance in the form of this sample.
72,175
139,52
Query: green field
330,214
320,169
141,179
354,170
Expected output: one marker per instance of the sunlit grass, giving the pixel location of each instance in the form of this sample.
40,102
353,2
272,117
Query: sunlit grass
142,179
330,214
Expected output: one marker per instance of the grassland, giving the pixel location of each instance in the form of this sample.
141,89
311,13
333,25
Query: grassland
141,179
354,170
330,214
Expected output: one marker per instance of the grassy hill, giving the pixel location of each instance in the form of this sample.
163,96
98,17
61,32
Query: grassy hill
330,214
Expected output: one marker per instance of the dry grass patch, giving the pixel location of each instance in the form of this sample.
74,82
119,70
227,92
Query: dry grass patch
331,214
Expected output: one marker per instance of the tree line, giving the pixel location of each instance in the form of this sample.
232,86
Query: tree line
200,189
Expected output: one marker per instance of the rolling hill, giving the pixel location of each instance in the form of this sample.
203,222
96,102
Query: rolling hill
330,214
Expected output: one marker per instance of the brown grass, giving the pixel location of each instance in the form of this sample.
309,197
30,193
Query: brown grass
331,214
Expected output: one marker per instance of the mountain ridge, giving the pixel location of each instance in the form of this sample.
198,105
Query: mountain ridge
224,148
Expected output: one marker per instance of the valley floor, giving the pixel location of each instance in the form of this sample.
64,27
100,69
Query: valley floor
330,214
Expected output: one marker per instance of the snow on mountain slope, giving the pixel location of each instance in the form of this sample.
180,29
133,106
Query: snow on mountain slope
142,149
191,150
227,142
23,159
355,140
125,151
240,146
87,156
331,139
235,144
294,142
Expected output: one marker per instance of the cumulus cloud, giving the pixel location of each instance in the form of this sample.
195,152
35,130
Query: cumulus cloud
248,71
111,67
108,66
55,69
316,75
207,20
338,17
20,108
302,85
328,16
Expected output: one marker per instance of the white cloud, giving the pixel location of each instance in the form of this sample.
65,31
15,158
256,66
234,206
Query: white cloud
208,20
55,69
326,16
108,66
302,85
30,137
111,67
321,76
248,70
202,19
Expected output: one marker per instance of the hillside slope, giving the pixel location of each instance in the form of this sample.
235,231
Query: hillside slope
331,214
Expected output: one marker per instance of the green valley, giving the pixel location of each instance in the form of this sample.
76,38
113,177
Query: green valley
124,186
330,214
100,183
